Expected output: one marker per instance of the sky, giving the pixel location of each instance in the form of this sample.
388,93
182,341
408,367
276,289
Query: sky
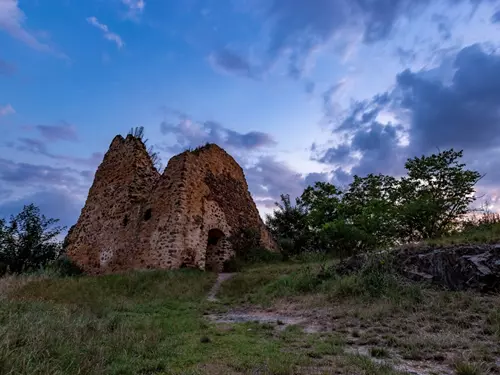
297,91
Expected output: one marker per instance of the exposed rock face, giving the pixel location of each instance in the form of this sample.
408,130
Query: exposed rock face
475,267
192,215
457,268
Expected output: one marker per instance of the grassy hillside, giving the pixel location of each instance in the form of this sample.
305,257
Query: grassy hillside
157,323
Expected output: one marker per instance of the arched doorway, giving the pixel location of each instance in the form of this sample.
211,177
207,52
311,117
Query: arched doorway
214,252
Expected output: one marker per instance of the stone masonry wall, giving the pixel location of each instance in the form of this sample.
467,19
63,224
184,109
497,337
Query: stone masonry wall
135,218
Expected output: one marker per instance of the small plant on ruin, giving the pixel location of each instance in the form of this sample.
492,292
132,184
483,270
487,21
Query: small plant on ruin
138,132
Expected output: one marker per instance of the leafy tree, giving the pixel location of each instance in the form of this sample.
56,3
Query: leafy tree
322,203
370,204
379,211
288,224
437,191
29,240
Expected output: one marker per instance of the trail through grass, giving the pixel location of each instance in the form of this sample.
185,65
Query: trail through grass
156,322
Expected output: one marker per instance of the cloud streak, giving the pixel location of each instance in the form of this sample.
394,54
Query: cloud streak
112,37
134,7
12,20
189,133
60,132
6,110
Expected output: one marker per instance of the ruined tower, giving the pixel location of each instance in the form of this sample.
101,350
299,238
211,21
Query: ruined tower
192,215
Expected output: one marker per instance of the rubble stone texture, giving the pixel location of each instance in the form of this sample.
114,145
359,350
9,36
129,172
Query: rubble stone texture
193,215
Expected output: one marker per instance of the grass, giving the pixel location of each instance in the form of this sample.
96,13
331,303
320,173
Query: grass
467,368
487,233
155,323
379,352
263,286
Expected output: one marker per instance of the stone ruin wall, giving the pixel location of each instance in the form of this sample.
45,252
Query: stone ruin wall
135,218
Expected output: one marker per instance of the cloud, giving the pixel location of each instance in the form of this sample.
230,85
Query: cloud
113,37
190,133
40,147
63,131
58,192
6,68
328,96
298,29
340,154
24,174
6,110
56,204
406,56
462,114
495,18
230,62
449,107
444,25
12,20
134,8
268,178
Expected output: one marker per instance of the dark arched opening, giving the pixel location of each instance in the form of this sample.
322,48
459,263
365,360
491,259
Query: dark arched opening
214,250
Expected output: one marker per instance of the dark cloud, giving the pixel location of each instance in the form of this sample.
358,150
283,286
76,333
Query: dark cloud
309,87
189,134
57,204
298,28
25,175
5,193
406,56
314,177
37,146
361,113
463,114
340,154
444,25
58,192
495,18
60,132
450,107
328,96
6,68
230,62
269,178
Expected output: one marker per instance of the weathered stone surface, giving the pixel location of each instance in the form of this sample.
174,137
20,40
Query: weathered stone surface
457,268
475,267
189,216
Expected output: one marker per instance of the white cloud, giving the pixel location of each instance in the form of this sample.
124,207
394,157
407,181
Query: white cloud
105,29
7,109
135,7
12,20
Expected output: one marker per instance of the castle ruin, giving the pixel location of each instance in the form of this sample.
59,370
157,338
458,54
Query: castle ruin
194,214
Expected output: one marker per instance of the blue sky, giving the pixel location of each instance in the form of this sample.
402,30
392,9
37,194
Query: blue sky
296,90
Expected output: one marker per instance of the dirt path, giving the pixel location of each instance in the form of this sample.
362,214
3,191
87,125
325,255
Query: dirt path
212,295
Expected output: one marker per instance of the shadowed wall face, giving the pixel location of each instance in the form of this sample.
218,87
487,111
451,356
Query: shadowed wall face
135,218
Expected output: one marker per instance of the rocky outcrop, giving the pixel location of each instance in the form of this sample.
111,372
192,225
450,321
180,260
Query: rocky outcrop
190,216
457,268
475,267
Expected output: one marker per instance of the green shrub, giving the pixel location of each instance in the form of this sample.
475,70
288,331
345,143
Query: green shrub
29,240
378,352
467,368
64,267
255,255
